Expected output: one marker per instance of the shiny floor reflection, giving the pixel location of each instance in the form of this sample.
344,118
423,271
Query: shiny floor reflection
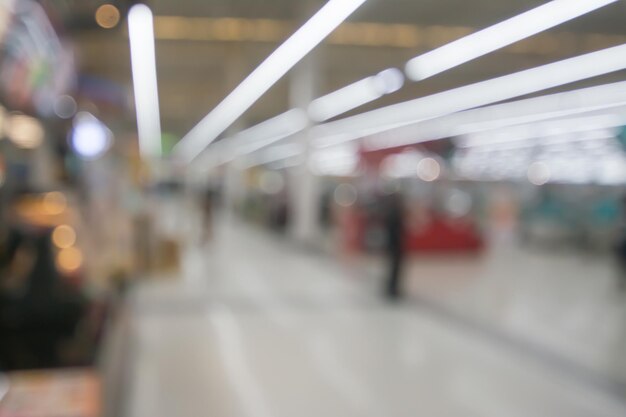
257,327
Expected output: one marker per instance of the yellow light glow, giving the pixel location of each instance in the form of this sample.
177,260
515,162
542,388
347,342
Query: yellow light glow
64,236
428,169
69,259
24,131
54,203
107,16
362,34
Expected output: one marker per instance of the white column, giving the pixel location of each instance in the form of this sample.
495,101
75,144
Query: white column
304,187
234,187
234,181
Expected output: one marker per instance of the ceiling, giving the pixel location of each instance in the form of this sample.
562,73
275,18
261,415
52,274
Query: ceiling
477,13
194,75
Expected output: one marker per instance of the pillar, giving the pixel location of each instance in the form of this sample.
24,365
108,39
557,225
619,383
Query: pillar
304,186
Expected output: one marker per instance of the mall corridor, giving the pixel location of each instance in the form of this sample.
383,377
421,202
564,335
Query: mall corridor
312,208
259,327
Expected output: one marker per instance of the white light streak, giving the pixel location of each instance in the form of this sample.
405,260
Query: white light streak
499,35
265,76
476,95
143,60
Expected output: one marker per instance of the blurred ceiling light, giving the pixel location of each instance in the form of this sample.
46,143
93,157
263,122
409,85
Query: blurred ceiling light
273,154
54,203
611,108
458,203
69,259
344,169
539,173
599,99
345,195
265,76
389,81
543,130
64,236
256,137
65,107
143,60
269,131
428,169
90,137
25,132
478,94
401,165
484,144
568,165
271,182
356,94
339,161
343,100
107,16
499,35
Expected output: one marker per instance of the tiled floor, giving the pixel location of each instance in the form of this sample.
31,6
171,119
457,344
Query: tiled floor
257,327
565,303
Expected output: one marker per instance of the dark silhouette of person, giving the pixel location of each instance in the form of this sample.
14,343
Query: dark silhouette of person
35,319
208,202
620,247
394,227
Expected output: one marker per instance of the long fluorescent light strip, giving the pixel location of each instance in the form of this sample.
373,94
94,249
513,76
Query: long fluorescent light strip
270,131
265,76
554,141
273,154
343,100
356,95
457,124
499,35
559,127
143,61
456,53
257,137
479,94
428,132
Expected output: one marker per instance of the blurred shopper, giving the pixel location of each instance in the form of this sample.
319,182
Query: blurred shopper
394,226
38,311
620,247
281,220
208,203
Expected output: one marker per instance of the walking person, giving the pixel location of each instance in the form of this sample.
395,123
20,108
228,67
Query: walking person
208,202
620,246
394,226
